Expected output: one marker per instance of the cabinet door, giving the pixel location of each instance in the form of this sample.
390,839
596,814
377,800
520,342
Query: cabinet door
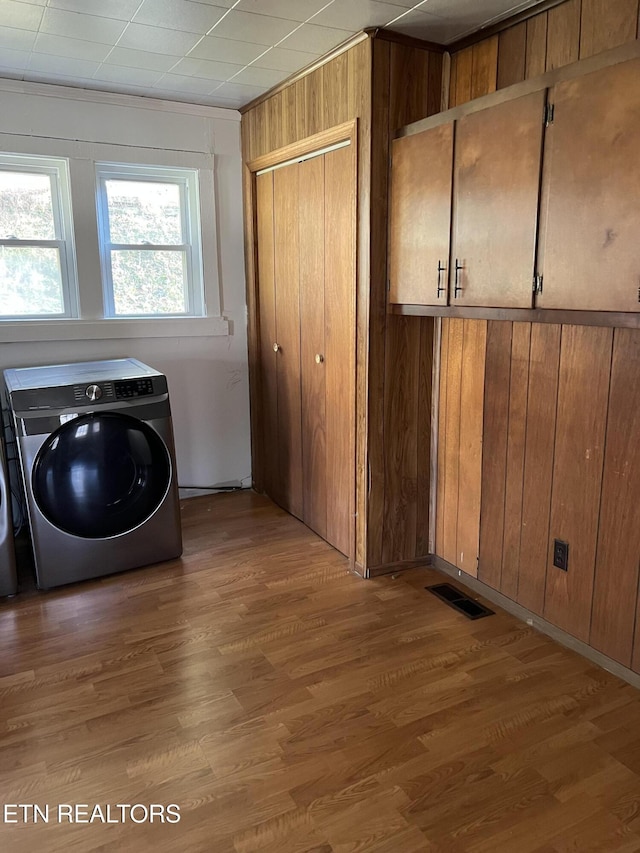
287,296
591,183
495,207
420,216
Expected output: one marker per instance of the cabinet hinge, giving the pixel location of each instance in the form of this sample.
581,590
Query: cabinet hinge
537,284
549,110
388,285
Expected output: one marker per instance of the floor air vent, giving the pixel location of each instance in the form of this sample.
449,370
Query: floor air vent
459,601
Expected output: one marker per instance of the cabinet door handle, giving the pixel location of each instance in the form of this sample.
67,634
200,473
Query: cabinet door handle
457,288
276,347
319,358
441,287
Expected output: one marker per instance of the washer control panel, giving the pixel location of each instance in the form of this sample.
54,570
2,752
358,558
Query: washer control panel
126,388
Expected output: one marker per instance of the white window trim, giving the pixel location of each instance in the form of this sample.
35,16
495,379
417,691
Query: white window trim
187,181
57,169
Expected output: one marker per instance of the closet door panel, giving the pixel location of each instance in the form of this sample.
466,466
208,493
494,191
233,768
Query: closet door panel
267,319
312,345
287,278
339,362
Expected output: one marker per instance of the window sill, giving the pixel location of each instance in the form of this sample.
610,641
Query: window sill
20,331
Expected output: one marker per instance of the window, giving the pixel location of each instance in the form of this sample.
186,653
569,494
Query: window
37,264
149,233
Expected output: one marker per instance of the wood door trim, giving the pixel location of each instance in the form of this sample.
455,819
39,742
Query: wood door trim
303,147
435,430
617,319
615,56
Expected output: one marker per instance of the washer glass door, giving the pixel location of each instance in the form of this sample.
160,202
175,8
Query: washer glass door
101,475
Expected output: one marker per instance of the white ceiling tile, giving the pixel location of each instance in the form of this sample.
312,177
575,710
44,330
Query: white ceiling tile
14,39
204,68
62,65
472,11
357,14
261,29
292,10
314,39
34,2
86,27
184,15
226,3
13,59
141,59
182,83
226,103
280,59
22,16
429,27
226,50
239,90
254,76
129,76
73,48
122,10
158,39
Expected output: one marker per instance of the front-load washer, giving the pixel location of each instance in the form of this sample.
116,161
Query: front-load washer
8,578
98,464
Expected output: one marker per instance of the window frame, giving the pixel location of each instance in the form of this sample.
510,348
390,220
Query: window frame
58,172
187,179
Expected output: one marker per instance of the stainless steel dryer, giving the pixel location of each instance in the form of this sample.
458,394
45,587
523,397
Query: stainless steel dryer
98,464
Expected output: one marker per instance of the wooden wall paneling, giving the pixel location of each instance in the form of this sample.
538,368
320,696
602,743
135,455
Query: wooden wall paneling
378,296
494,450
310,103
494,228
401,438
359,98
452,379
266,450
618,552
289,119
597,163
409,83
512,45
563,37
339,364
312,342
470,458
484,67
275,116
607,24
335,85
518,389
542,398
583,388
425,393
287,272
435,84
443,390
461,76
536,55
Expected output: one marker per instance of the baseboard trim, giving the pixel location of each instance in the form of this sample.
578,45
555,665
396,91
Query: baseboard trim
401,566
537,622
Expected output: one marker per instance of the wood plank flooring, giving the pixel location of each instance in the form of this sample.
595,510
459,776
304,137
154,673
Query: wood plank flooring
287,706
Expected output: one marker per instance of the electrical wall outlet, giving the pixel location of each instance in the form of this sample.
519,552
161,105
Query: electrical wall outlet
561,554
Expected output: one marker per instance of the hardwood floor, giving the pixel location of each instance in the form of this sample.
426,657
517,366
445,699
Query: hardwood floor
287,706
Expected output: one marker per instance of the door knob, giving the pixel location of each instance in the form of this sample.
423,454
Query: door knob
276,347
319,358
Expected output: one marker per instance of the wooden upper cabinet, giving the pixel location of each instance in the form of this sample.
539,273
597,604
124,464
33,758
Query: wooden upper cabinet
495,204
420,214
589,248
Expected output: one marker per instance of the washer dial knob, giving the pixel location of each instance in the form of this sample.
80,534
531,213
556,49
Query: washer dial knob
93,392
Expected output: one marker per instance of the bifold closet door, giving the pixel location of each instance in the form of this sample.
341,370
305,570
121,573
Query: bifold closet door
286,344
339,326
312,343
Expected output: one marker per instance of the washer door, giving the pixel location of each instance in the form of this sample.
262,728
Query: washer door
101,475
